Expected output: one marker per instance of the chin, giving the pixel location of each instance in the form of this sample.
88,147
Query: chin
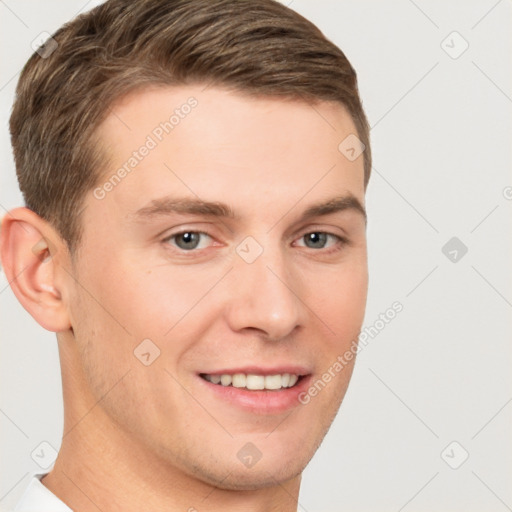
279,463
255,478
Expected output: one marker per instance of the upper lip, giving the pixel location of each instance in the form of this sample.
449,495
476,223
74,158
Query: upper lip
259,370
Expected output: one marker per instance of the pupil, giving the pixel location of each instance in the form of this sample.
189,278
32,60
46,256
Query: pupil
189,240
317,239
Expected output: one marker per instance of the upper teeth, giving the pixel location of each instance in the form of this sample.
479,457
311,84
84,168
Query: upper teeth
251,381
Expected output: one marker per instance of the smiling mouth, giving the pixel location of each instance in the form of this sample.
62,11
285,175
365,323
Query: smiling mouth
254,382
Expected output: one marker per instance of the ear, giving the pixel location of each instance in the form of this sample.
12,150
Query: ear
28,249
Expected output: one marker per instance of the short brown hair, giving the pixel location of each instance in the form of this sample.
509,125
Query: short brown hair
259,47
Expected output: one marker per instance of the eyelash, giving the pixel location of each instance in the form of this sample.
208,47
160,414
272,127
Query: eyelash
341,241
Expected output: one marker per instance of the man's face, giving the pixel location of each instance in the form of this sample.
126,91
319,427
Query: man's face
264,292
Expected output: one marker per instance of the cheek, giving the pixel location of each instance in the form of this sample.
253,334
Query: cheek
339,299
140,301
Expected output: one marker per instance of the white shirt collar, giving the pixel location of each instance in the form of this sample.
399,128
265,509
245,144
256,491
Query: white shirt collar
38,498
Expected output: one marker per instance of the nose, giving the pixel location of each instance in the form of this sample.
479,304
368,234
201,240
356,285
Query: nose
264,296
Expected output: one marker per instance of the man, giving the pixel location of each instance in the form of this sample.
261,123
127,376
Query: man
194,175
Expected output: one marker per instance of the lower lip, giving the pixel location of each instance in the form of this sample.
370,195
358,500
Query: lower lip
260,401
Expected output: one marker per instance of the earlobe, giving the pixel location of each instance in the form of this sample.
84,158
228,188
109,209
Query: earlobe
28,246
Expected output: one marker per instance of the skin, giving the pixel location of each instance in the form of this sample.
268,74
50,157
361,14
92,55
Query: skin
142,437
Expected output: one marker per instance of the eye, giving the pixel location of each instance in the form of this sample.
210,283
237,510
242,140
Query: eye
319,240
187,240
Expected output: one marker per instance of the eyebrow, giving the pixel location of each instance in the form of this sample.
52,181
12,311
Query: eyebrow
168,205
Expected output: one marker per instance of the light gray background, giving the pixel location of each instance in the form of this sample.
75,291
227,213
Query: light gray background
440,371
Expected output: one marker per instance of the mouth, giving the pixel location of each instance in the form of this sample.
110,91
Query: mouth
254,382
257,390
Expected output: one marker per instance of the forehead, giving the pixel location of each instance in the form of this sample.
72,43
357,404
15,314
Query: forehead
220,145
